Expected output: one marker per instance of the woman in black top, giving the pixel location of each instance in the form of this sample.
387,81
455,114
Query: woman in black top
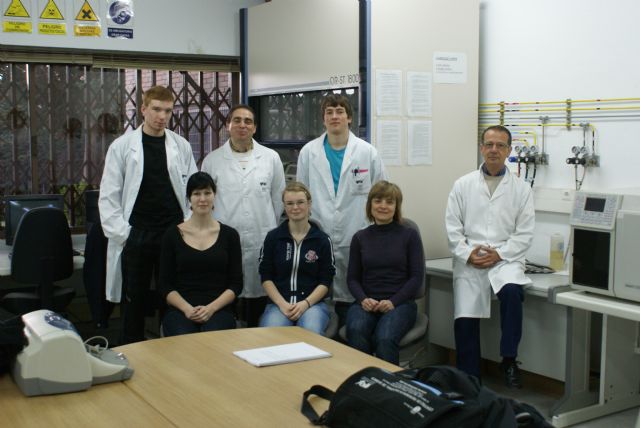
201,267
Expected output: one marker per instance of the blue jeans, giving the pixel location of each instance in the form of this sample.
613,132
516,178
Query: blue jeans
378,333
175,323
316,318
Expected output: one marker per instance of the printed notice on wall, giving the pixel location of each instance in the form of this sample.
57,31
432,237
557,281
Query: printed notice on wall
51,20
87,18
388,135
449,67
120,19
16,16
419,93
388,92
419,142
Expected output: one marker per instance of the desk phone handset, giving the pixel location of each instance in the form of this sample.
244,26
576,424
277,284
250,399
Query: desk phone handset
55,360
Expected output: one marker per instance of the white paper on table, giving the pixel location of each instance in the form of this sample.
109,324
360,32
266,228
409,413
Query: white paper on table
281,354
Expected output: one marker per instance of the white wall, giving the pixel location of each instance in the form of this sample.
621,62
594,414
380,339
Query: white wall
202,27
546,50
405,36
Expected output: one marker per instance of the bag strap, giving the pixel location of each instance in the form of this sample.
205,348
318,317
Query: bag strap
308,410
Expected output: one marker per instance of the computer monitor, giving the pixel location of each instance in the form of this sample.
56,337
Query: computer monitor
16,206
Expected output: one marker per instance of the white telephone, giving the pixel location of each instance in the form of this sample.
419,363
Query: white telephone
55,360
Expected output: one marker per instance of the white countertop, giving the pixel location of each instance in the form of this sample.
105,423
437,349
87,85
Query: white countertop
542,282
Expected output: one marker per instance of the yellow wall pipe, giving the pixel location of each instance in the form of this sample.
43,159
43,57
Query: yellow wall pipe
559,109
597,100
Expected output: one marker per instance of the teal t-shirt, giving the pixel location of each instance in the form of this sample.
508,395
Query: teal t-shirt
335,158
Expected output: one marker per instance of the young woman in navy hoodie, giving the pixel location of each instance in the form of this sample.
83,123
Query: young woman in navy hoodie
297,267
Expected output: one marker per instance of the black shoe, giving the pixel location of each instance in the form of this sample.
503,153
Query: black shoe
512,377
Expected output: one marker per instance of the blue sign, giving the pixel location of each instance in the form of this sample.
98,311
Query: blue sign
123,33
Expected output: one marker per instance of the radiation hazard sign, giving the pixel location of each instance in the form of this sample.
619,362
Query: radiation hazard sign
51,11
16,10
86,13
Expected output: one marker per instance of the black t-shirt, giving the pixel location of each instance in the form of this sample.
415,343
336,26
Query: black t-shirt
201,276
156,206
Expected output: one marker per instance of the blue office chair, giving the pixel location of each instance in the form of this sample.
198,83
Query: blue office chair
42,253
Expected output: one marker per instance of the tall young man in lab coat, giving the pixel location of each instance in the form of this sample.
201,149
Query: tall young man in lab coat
490,220
339,170
142,193
250,181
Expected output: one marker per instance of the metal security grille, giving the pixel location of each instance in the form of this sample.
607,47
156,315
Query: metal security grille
296,117
57,122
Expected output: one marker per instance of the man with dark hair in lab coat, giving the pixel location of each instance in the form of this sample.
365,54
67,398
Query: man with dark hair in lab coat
490,220
250,180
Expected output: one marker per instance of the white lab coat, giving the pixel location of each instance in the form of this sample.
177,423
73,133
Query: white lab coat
248,200
340,215
504,221
121,179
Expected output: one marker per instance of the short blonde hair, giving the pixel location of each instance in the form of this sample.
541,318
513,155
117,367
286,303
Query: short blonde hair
296,186
385,190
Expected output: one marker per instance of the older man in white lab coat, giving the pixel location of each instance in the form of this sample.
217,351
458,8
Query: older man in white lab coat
490,220
142,193
250,181
339,170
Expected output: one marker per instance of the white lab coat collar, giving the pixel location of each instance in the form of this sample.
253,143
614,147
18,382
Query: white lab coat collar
256,153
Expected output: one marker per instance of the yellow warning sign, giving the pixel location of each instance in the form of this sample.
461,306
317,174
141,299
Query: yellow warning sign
17,27
52,29
87,30
51,11
86,13
16,9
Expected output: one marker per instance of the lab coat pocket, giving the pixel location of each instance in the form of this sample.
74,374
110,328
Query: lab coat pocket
263,184
360,181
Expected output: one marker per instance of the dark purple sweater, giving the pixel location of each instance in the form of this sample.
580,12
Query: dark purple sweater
386,262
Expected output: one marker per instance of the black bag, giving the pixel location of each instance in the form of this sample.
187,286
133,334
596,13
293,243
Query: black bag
374,397
498,411
435,396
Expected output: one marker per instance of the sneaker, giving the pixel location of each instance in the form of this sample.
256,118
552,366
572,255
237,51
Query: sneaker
512,377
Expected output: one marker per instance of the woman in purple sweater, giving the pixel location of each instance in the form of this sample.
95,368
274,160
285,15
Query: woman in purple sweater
386,268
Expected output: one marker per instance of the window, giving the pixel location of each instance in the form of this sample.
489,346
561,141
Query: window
296,117
57,122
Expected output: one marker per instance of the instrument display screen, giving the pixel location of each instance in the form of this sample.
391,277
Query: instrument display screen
595,204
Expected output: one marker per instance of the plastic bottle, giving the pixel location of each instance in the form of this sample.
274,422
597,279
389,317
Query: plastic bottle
556,252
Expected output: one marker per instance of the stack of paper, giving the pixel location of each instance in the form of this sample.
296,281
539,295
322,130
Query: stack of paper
281,354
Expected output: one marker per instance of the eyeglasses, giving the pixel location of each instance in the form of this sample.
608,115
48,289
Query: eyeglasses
499,146
291,204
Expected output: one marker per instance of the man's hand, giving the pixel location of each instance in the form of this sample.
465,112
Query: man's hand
483,257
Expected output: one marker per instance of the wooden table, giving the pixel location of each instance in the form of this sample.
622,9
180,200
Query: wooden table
195,380
110,405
